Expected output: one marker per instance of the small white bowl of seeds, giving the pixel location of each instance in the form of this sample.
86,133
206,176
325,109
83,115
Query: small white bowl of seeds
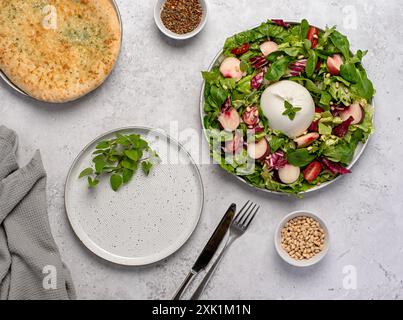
302,239
181,19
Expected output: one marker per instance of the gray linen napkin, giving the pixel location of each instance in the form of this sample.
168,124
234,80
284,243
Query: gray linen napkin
30,264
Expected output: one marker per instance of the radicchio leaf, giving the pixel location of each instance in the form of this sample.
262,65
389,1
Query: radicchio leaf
257,81
258,129
281,23
258,62
226,106
297,68
334,167
342,129
276,161
251,117
314,127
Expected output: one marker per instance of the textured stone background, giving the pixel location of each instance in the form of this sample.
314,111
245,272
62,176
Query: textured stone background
157,81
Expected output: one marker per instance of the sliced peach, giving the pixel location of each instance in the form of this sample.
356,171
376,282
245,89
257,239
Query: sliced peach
258,150
307,139
334,63
355,111
289,174
231,68
235,144
268,47
230,120
251,117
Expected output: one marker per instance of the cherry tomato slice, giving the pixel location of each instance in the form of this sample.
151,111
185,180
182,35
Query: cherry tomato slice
312,171
313,36
241,50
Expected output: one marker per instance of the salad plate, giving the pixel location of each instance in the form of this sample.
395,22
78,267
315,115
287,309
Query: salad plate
286,56
147,219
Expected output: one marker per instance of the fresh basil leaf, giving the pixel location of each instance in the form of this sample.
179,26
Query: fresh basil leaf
100,151
276,143
244,66
264,31
116,182
358,57
123,140
133,155
300,157
290,110
292,51
273,57
311,63
92,183
341,42
308,84
121,159
86,172
323,40
244,85
364,87
99,158
325,100
102,145
304,29
100,165
349,72
342,152
129,164
212,77
146,166
277,70
312,87
127,175
219,95
141,144
307,45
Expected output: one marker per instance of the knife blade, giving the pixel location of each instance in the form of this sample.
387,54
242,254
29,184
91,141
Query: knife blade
209,250
215,240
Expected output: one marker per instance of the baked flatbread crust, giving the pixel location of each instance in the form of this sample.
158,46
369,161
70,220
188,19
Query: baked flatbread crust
61,64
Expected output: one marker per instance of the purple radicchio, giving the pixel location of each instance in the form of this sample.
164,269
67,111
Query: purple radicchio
334,167
342,129
297,68
276,161
281,23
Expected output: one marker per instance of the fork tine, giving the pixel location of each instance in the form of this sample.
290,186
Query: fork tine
239,217
243,208
253,216
249,212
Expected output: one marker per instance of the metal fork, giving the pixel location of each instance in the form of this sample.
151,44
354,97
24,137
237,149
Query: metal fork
238,227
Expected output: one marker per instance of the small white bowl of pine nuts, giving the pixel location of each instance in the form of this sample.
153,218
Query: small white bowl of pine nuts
302,239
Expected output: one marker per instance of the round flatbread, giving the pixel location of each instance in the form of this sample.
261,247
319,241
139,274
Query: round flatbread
58,50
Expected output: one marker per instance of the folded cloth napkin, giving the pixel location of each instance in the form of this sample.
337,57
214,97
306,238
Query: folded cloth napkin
30,263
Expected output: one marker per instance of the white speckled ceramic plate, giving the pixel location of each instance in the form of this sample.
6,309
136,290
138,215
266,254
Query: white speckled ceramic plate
146,220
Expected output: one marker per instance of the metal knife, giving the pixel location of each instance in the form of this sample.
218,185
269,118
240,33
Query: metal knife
209,250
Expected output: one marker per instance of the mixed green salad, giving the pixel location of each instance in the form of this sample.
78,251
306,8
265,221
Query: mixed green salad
238,130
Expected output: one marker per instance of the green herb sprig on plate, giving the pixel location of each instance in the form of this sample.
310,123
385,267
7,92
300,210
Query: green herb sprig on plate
290,110
120,158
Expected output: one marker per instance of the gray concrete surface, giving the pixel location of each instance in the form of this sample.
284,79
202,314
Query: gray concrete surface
158,81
